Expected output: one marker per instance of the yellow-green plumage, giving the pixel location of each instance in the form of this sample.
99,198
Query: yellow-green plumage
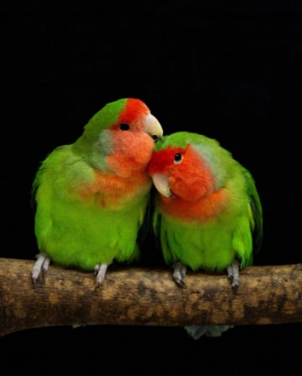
213,216
210,246
77,231
92,195
207,213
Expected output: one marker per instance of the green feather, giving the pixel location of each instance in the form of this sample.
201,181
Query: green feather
234,233
73,230
76,232
94,145
213,243
102,120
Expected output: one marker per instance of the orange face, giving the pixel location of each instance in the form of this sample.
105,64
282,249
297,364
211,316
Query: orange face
131,138
188,175
189,193
120,137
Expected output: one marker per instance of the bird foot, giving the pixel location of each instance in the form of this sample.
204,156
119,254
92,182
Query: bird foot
233,275
41,266
179,274
100,272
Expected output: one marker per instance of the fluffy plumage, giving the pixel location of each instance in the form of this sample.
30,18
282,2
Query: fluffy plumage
208,213
92,195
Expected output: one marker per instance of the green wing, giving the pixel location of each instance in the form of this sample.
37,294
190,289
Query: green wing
159,232
256,212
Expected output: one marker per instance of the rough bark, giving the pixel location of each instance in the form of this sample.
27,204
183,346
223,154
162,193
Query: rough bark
136,296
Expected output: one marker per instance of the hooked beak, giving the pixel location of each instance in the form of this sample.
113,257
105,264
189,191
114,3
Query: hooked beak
153,127
161,183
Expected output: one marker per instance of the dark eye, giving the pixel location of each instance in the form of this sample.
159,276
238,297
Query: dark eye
177,158
124,127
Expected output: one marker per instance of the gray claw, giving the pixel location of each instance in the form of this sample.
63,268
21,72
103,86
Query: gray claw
41,266
179,274
233,274
100,271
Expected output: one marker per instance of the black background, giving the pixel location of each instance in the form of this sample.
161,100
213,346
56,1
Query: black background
231,72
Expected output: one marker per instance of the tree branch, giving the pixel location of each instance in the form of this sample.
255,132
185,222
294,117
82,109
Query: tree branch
136,296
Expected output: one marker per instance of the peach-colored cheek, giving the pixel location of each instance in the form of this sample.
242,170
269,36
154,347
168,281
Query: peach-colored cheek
188,189
143,151
133,152
135,145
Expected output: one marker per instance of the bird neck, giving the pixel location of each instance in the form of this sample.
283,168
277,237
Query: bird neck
202,210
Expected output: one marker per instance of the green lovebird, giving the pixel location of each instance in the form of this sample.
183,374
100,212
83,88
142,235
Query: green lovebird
208,213
91,196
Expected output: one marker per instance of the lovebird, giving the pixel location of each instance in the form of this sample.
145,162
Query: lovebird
207,214
91,196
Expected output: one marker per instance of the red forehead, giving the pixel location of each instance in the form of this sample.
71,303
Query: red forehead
162,159
134,109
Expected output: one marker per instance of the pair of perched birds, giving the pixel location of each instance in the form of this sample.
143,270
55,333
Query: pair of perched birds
92,198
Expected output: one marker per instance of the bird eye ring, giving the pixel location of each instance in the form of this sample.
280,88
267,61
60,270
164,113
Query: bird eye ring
178,158
124,127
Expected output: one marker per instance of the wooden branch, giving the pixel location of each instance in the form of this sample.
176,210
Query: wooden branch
136,296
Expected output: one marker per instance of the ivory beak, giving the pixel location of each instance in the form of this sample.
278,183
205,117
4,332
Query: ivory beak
153,127
161,183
